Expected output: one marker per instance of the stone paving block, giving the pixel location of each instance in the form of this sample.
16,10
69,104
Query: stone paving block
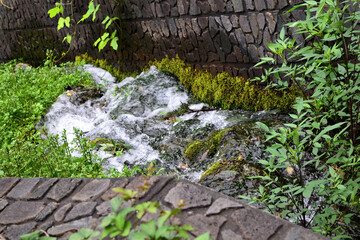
6,184
42,189
63,188
255,224
203,224
49,209
59,230
188,194
238,6
299,233
92,190
15,231
109,194
138,183
61,212
221,204
3,204
20,211
82,209
229,234
23,188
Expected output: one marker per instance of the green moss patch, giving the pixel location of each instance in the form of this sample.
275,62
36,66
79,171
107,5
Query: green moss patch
225,91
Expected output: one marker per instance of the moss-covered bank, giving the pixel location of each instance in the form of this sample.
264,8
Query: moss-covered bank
225,91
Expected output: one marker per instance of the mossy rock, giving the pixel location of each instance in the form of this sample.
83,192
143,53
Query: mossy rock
202,149
225,91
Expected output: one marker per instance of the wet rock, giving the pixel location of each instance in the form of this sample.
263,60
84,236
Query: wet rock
238,7
61,212
24,188
80,95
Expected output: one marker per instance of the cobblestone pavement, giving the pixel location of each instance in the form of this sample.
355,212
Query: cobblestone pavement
62,206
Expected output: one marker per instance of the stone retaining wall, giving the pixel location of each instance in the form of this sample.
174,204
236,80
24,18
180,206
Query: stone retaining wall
218,35
62,206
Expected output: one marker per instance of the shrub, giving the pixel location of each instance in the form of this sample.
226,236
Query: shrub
320,149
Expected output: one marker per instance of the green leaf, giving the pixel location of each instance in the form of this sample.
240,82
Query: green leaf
205,236
61,23
327,129
67,21
95,11
53,12
149,228
263,126
114,43
77,236
116,203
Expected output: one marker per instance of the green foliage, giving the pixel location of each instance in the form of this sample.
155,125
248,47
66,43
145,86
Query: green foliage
67,19
320,148
103,63
118,223
225,91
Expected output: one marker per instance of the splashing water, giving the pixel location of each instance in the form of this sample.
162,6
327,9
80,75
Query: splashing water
132,111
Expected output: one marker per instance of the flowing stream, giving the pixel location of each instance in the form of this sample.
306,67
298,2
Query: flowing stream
134,112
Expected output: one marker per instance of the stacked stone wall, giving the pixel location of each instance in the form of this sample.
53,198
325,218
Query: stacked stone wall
216,35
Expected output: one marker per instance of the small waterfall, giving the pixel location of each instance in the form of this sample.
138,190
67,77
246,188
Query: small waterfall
133,110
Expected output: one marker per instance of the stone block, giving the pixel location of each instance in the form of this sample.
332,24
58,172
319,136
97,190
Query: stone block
80,210
231,58
40,191
20,211
189,194
15,231
166,8
249,4
226,23
3,204
267,38
195,26
238,54
271,21
46,211
225,42
63,188
229,7
233,38
203,22
204,224
61,212
194,8
260,5
213,27
92,190
204,7
217,5
238,5
59,230
249,38
172,27
183,7
229,234
159,11
254,25
23,188
244,24
242,41
164,28
109,194
6,184
282,4
234,21
261,21
271,4
174,12
247,218
213,57
253,53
